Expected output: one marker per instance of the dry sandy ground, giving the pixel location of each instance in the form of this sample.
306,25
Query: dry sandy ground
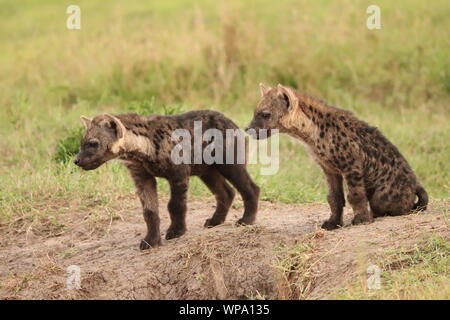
223,262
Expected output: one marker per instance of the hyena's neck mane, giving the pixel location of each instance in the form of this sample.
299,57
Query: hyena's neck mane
139,136
312,118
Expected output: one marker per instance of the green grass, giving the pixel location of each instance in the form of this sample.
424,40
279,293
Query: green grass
422,272
205,54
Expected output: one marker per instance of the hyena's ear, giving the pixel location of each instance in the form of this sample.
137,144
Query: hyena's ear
289,95
264,89
86,122
115,124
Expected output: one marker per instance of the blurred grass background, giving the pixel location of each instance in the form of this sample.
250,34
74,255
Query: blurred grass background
182,55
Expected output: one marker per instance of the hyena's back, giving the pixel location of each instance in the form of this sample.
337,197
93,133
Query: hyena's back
159,130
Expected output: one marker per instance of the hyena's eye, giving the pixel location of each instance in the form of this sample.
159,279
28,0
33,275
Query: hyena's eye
92,144
265,115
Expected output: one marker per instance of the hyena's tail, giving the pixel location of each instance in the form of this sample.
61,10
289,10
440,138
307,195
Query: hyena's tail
423,199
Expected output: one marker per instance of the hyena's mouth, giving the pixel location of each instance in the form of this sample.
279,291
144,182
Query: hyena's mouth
90,166
261,134
258,134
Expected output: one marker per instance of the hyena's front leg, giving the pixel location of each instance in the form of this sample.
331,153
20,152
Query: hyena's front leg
358,199
147,192
336,200
177,207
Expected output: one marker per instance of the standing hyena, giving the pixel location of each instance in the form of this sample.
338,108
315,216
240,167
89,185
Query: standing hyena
145,145
344,147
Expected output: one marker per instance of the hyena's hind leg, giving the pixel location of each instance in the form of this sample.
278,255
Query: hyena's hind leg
336,200
392,203
177,207
224,194
240,179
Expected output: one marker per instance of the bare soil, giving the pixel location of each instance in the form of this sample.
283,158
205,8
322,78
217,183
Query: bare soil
224,262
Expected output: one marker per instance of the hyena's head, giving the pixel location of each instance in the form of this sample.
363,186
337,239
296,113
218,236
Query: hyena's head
272,111
101,142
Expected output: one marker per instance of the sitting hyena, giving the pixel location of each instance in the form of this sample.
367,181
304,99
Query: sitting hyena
345,148
145,145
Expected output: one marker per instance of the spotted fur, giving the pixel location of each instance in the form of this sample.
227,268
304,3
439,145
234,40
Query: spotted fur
144,145
346,148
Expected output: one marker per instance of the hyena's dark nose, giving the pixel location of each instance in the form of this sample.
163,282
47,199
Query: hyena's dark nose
76,161
250,130
249,127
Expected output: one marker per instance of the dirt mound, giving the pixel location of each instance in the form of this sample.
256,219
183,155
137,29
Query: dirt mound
223,262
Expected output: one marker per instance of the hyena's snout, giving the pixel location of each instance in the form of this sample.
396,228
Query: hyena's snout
86,163
251,132
253,128
257,132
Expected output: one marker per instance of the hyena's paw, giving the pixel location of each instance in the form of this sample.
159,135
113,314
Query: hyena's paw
245,222
330,225
173,232
362,219
148,243
209,223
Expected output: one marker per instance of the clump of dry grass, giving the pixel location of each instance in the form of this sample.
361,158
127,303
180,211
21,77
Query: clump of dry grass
296,267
